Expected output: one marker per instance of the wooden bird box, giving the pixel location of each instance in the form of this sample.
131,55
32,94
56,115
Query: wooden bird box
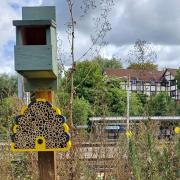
36,47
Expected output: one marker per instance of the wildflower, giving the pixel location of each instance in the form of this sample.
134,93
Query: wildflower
129,134
177,130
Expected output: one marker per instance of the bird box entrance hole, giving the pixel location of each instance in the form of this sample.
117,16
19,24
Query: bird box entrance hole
34,35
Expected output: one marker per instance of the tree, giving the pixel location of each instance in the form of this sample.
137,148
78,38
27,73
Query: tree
145,66
117,102
136,106
143,98
161,104
81,111
8,86
89,75
177,109
108,63
87,79
178,78
142,56
9,108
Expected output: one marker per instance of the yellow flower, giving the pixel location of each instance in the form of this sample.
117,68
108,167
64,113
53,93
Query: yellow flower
129,134
177,130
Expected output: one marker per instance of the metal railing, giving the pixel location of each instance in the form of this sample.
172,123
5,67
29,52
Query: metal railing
136,118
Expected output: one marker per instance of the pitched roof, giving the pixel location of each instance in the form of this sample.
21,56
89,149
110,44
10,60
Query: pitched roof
172,71
145,75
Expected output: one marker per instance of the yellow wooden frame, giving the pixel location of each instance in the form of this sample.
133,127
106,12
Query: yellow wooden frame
41,147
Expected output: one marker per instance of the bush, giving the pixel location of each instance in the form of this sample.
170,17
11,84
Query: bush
81,111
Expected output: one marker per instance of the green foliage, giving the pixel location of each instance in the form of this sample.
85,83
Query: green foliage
144,66
117,102
9,107
178,78
87,78
8,86
81,110
136,107
150,157
167,166
5,113
134,159
62,100
112,82
143,98
108,63
161,105
177,109
153,167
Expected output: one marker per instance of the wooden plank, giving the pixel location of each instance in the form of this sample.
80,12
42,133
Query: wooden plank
47,165
46,160
40,84
48,95
39,13
33,58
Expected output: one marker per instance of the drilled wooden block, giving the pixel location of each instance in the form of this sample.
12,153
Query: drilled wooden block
40,127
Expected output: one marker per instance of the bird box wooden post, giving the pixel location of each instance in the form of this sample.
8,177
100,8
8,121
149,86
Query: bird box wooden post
40,127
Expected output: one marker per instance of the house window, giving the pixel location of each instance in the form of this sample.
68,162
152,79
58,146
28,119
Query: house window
173,93
134,80
152,82
33,35
164,82
140,82
173,82
139,87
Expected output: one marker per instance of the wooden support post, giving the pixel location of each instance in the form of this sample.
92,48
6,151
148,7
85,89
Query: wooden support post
46,160
47,165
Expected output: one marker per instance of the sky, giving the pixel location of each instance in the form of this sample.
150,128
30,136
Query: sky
156,21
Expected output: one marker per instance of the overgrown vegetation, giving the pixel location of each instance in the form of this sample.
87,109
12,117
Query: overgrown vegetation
147,156
144,157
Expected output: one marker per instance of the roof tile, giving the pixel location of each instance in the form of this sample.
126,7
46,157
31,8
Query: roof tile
144,75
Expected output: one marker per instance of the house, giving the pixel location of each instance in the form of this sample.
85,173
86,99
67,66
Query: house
170,83
149,82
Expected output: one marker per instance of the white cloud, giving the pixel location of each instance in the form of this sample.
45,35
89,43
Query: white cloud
168,56
155,21
10,10
151,20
